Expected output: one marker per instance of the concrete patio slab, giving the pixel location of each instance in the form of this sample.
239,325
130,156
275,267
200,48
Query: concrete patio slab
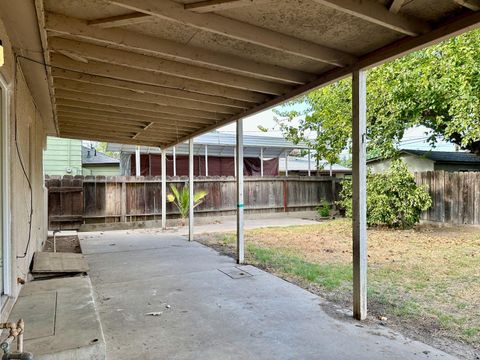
204,313
61,321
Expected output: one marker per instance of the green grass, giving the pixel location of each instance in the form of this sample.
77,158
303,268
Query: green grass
328,276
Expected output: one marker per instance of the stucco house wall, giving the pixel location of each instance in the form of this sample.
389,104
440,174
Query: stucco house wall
414,164
27,145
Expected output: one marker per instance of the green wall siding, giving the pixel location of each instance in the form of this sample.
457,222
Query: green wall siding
61,155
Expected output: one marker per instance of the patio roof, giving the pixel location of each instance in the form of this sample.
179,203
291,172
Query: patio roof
223,144
156,73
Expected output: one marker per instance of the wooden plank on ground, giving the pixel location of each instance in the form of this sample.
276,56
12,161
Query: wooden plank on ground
49,262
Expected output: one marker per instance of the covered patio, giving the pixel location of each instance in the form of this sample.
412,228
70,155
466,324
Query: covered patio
161,72
181,300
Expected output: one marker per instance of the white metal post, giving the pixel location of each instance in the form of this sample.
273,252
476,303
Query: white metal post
286,163
206,160
309,163
137,161
164,188
174,162
240,237
190,190
359,181
261,162
234,163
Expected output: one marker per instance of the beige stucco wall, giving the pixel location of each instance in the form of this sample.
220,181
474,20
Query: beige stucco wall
414,164
30,142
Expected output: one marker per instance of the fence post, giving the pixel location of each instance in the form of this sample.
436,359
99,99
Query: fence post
285,196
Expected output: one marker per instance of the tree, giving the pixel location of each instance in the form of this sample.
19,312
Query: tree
438,87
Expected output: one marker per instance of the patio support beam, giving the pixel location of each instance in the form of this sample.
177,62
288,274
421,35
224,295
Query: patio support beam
234,29
261,162
206,160
374,12
164,189
359,180
470,4
174,161
120,20
137,161
240,220
396,6
190,189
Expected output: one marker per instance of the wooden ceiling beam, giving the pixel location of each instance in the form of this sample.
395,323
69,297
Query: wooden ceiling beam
132,112
219,5
396,5
136,105
162,66
374,12
147,77
207,102
131,41
234,29
79,113
469,4
160,127
81,135
121,20
132,95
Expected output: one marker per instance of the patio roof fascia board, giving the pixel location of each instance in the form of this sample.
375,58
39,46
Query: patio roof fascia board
121,38
238,30
453,27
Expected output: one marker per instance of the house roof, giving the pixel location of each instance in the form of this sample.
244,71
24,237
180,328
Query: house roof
301,164
223,144
157,73
440,156
94,157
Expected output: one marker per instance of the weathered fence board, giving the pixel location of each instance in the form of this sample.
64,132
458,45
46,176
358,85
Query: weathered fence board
128,198
455,196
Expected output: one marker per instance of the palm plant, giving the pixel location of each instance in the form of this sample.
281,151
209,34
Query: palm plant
180,198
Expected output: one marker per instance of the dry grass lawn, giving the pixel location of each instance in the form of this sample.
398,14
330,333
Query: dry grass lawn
425,280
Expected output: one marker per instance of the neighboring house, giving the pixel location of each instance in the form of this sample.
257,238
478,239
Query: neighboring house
97,163
214,155
422,160
299,166
62,156
70,157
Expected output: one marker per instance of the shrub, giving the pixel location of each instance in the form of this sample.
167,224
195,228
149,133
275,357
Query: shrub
324,208
180,198
393,198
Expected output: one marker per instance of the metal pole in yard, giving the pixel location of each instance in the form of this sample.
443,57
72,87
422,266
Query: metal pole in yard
206,160
174,162
261,162
190,189
137,161
309,164
359,181
240,221
164,189
286,163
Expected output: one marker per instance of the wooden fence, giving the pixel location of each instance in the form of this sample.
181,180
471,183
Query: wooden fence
108,199
455,196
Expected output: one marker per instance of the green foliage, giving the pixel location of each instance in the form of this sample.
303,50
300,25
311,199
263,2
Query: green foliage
438,87
324,208
181,199
393,198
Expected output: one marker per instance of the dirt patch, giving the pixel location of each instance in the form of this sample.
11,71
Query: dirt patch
65,244
425,281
